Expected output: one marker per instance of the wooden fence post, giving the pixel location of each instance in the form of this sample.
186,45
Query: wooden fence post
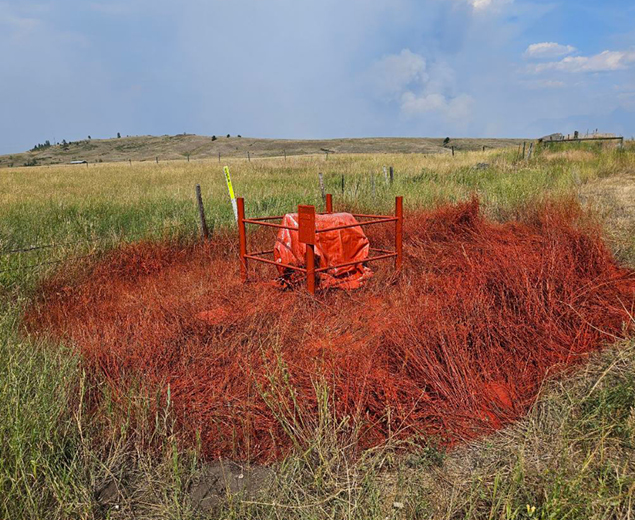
157,159
342,184
248,156
524,146
392,175
321,178
201,213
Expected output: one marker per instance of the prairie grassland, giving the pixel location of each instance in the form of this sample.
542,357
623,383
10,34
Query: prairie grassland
572,457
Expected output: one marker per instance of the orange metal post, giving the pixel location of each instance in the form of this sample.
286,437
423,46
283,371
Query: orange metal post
399,232
329,203
242,237
306,234
310,268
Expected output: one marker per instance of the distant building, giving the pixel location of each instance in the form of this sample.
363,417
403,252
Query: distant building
79,162
551,137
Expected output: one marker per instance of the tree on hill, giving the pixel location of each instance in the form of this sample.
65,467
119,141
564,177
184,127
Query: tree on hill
118,135
40,146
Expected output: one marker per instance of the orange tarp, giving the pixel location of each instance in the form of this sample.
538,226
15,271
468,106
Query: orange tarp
331,248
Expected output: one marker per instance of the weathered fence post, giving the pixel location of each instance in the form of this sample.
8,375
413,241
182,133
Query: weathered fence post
524,146
531,149
157,159
201,213
453,151
248,156
321,178
372,183
342,184
219,157
386,175
392,174
285,155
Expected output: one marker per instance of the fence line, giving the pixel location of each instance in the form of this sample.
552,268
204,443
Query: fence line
38,247
48,262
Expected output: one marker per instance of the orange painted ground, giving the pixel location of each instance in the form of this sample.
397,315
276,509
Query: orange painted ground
455,348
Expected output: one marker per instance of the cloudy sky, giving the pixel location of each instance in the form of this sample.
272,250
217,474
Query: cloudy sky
314,69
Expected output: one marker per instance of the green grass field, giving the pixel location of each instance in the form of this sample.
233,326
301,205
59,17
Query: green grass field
571,457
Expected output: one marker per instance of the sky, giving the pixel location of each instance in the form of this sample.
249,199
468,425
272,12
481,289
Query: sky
314,69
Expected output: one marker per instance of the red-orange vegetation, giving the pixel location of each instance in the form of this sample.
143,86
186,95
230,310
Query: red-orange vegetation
455,347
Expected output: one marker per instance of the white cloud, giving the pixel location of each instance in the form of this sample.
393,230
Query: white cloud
15,21
604,62
540,84
419,87
548,50
392,74
483,5
457,108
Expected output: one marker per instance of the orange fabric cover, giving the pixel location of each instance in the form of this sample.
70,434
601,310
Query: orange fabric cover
331,248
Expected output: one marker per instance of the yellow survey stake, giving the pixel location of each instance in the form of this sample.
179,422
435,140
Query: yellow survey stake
229,182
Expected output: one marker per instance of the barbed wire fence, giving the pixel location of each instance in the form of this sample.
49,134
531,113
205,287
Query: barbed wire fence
96,246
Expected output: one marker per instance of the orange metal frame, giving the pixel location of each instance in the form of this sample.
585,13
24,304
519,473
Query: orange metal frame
307,232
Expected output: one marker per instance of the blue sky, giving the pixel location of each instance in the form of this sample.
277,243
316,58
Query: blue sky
301,69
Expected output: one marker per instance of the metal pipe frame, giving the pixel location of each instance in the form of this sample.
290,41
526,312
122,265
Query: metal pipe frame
306,230
359,224
346,264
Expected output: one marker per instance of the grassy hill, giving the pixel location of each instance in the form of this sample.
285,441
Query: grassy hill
148,148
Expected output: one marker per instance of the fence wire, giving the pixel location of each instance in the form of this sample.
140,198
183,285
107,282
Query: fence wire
41,247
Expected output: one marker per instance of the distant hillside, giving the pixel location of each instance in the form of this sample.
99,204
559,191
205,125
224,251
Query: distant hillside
148,148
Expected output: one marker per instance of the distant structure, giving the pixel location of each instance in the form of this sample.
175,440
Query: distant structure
79,162
551,137
577,138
